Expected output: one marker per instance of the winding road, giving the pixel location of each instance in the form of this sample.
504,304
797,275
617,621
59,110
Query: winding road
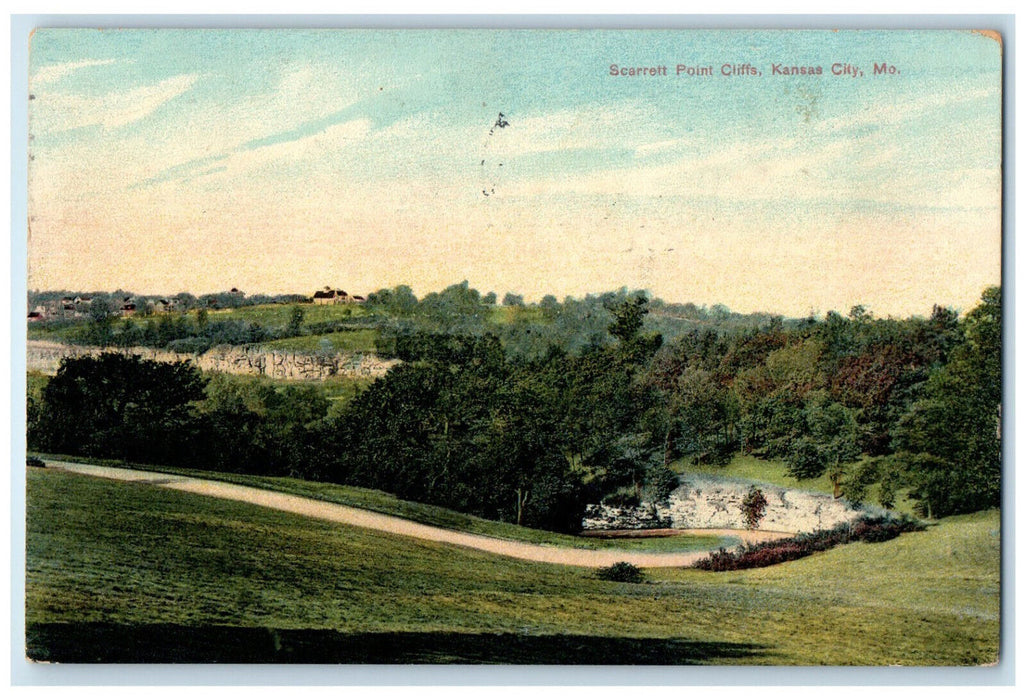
357,517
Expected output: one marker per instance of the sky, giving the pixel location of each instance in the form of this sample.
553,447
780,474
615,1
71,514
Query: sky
281,161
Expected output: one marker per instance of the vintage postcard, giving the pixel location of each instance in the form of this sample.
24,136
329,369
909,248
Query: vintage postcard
496,346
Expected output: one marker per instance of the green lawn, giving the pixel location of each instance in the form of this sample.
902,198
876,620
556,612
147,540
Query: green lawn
54,334
359,340
273,315
135,571
770,471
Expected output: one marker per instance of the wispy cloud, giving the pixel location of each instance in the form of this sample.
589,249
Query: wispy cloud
51,74
58,112
299,152
897,112
303,101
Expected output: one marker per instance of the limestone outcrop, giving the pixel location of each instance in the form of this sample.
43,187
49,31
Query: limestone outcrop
709,502
280,364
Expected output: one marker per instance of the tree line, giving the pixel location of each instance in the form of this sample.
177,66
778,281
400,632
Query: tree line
399,318
879,405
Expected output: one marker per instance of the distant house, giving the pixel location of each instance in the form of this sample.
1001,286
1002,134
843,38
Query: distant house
128,308
358,299
331,296
35,316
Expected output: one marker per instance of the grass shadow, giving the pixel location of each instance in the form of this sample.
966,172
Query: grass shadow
164,643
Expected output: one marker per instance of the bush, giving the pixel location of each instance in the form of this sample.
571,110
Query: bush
865,529
753,507
622,572
192,345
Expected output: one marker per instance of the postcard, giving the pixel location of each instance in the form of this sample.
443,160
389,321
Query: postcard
514,346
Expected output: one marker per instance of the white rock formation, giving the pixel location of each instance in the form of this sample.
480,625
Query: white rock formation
708,502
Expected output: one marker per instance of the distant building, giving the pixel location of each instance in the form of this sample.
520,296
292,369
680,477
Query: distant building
331,296
165,305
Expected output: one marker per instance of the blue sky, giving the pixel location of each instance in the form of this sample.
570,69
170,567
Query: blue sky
282,161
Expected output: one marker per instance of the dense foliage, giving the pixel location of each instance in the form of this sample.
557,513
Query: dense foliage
569,403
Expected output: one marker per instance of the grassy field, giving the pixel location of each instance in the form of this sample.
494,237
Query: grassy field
267,315
273,315
121,571
386,503
360,340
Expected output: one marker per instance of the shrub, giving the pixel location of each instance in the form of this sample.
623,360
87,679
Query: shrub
753,507
192,345
622,572
865,529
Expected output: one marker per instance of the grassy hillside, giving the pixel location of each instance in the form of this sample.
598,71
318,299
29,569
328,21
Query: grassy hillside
272,315
125,571
388,504
360,340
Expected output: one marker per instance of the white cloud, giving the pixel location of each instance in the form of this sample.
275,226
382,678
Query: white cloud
299,94
587,127
900,111
57,112
302,152
50,74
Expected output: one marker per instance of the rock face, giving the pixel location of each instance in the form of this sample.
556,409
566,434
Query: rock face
707,502
45,357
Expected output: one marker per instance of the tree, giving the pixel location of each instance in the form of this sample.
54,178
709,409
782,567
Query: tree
628,318
101,321
950,438
753,507
121,406
549,306
295,325
827,444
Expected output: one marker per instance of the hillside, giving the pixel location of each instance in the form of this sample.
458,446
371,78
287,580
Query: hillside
124,572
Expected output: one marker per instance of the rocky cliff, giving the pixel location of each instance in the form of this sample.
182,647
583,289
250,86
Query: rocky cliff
708,502
45,357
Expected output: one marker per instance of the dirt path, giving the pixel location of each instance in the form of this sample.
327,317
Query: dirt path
347,515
